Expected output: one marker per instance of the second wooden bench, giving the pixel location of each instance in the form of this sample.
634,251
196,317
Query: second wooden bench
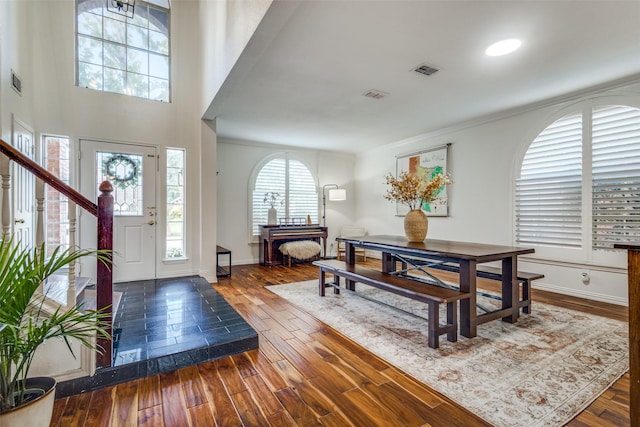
491,273
432,295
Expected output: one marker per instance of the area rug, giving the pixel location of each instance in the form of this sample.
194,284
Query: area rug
541,371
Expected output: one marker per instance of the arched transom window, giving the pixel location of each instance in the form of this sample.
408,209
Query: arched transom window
121,54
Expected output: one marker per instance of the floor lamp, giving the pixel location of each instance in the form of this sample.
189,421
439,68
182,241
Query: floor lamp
336,194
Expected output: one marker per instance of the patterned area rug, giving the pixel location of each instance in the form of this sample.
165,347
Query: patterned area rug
541,371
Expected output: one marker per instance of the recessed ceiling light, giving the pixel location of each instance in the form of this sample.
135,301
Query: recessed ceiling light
503,47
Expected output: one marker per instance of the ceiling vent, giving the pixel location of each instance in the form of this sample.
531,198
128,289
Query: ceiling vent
375,94
16,83
425,69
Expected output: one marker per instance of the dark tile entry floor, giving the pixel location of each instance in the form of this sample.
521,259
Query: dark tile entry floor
169,316
165,324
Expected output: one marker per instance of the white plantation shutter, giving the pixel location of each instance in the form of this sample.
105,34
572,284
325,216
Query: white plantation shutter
272,178
616,176
303,198
296,186
549,190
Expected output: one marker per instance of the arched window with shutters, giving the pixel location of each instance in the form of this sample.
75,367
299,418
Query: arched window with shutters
578,192
295,185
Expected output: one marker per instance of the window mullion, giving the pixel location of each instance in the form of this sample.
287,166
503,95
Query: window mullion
287,204
587,163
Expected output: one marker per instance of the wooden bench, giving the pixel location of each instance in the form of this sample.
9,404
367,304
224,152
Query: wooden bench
432,295
492,273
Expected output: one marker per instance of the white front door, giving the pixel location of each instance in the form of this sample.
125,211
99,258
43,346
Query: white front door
23,185
132,170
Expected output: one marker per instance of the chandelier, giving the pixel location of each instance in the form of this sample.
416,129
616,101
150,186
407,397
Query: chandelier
122,7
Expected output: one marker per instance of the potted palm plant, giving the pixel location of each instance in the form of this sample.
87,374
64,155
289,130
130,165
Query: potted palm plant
24,326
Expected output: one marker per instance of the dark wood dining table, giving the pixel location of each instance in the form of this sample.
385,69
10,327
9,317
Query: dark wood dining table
466,255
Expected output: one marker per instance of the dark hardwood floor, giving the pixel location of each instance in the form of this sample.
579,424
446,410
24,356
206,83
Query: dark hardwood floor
304,374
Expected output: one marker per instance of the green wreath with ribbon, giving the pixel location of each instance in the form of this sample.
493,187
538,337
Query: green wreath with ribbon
130,177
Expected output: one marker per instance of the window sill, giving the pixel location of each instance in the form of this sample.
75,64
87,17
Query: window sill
572,264
182,260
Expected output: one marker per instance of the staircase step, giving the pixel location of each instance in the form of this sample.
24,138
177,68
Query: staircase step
89,300
56,287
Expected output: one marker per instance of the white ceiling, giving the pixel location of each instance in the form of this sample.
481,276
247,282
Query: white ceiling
300,81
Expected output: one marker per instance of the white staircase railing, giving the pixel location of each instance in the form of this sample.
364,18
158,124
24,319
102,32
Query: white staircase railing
56,297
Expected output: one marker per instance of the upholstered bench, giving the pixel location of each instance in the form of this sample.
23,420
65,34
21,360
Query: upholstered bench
300,250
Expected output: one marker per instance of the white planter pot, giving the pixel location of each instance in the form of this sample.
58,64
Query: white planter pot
37,412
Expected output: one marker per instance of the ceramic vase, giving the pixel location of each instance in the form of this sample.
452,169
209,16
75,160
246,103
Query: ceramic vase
273,216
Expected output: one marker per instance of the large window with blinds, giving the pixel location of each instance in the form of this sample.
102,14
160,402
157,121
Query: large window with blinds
579,184
289,186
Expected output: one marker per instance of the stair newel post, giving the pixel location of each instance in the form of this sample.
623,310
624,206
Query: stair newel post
105,278
5,172
71,216
39,213
40,222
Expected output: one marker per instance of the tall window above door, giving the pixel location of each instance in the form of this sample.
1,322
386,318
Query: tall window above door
130,56
296,188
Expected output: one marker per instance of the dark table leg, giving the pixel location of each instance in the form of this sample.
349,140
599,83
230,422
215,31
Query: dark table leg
324,247
510,288
468,326
350,259
388,262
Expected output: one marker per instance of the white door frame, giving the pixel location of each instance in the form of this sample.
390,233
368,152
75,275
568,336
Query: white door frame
23,186
135,237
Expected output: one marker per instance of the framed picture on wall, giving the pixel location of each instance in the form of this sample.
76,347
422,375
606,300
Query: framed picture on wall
427,163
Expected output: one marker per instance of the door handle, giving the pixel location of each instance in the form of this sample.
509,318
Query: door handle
19,221
151,222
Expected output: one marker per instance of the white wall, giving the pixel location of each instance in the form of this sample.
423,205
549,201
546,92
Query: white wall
237,161
14,42
226,28
484,162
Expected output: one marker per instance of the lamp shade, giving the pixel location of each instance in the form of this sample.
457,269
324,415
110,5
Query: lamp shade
337,194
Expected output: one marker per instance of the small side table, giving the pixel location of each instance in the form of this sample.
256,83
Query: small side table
222,271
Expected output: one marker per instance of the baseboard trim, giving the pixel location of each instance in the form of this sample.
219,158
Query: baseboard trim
581,294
